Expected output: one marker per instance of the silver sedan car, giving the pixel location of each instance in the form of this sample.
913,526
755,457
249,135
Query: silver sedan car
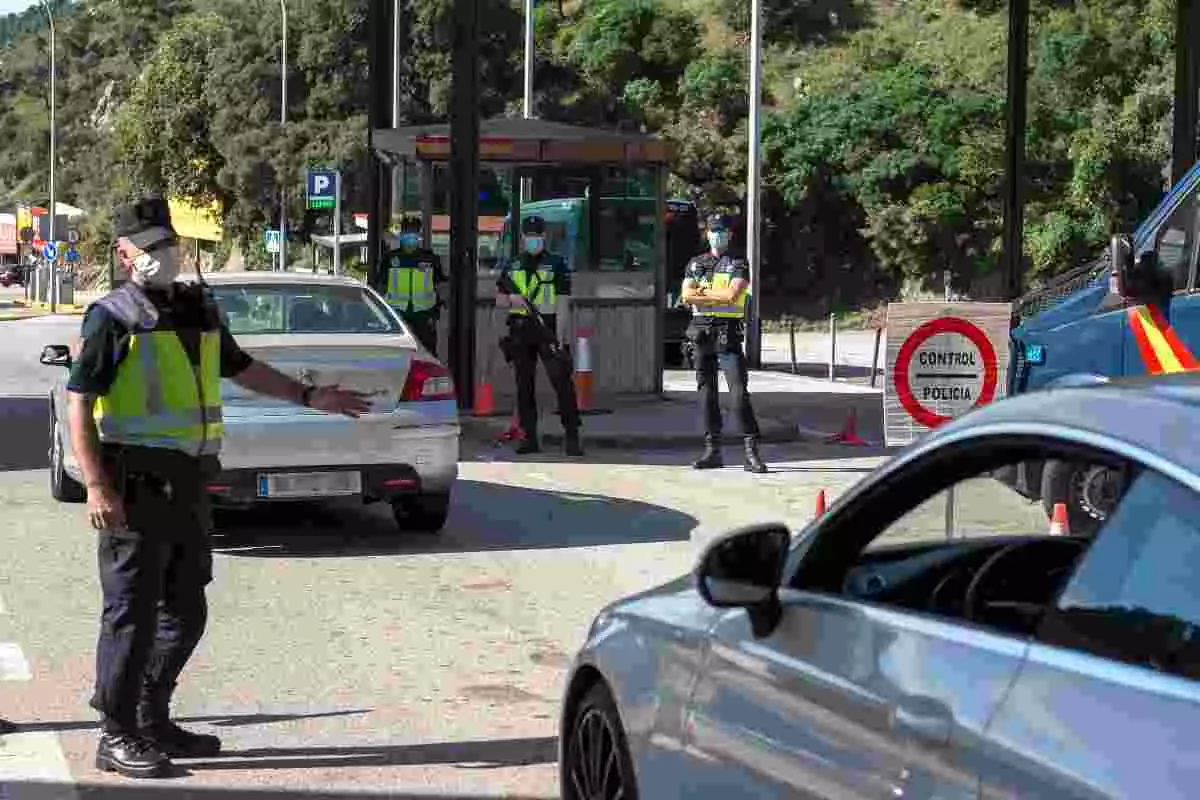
873,656
322,330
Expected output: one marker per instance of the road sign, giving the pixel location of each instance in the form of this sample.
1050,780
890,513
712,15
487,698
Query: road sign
72,255
72,236
50,251
322,188
271,237
944,359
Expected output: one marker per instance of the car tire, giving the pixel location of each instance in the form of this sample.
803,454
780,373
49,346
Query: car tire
63,487
424,513
1061,483
596,723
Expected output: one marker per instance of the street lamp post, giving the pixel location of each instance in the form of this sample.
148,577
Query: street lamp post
283,132
753,179
53,293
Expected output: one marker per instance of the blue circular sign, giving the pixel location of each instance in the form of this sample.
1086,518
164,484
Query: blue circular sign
50,251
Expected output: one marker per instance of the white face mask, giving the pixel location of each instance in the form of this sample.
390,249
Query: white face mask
158,268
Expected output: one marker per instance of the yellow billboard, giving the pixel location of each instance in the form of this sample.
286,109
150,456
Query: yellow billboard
195,222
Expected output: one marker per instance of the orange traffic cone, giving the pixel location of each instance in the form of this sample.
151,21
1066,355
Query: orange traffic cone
1058,522
485,401
849,432
583,370
820,503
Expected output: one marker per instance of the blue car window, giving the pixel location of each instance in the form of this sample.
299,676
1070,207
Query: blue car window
1136,595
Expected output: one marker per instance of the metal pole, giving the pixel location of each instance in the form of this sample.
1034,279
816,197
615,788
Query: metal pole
337,222
283,132
875,356
832,344
397,175
1014,161
526,181
464,196
792,343
54,263
753,174
1187,88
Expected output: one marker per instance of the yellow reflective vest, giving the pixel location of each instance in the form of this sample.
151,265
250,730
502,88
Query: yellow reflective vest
719,281
159,398
410,286
537,287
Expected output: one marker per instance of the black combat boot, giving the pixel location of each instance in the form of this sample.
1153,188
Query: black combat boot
571,444
7,727
131,756
529,444
154,724
754,462
712,454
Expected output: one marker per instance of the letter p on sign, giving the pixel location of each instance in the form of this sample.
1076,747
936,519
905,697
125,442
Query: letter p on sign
320,184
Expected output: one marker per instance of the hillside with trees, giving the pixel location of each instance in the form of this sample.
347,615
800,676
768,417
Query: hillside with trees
883,137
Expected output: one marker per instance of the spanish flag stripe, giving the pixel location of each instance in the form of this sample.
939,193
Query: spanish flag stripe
1185,357
1143,343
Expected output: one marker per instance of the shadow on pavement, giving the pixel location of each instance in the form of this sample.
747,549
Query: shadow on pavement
24,433
484,516
168,788
812,369
466,755
779,457
216,720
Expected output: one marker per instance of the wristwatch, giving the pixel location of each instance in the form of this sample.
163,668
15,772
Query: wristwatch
306,395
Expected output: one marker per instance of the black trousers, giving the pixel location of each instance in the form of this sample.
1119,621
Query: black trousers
719,346
153,576
424,327
528,346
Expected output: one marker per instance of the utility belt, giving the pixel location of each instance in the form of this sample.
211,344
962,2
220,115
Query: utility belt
157,471
713,335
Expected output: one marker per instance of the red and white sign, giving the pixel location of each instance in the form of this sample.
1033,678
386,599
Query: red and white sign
943,361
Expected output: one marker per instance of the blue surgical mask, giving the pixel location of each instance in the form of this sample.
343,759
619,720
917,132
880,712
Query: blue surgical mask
718,240
409,241
534,245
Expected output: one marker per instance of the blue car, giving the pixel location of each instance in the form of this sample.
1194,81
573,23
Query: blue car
873,656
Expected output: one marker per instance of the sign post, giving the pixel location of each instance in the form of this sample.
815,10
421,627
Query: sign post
944,359
337,223
271,239
324,190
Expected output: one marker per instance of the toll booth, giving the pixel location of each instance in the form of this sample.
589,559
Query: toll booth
602,195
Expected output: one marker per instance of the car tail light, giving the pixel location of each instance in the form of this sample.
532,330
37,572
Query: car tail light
427,381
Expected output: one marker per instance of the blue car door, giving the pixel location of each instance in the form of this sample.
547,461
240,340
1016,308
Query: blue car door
1108,702
1164,339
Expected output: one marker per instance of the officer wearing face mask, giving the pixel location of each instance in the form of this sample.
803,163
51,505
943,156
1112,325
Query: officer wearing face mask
543,280
414,281
717,286
144,399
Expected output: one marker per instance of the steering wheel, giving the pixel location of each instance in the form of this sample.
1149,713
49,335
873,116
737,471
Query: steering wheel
977,599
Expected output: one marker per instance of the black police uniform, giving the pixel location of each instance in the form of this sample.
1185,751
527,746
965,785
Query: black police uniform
153,574
718,343
422,323
527,341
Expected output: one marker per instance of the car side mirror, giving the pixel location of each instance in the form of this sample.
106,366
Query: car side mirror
56,355
743,569
1141,280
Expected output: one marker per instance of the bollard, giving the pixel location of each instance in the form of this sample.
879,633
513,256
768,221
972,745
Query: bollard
832,344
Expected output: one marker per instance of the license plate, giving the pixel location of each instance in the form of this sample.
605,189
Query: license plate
310,484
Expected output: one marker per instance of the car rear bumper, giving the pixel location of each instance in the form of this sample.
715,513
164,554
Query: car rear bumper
386,482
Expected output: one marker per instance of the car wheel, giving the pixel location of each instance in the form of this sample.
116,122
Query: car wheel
596,762
1090,491
63,487
425,513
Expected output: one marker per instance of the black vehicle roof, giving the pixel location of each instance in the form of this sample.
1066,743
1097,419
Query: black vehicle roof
1160,414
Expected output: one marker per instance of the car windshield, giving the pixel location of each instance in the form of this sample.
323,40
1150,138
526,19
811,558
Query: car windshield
302,308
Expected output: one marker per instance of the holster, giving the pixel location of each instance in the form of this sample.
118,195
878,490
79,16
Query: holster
701,337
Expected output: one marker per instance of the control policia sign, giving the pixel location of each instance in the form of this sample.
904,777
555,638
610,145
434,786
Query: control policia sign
943,359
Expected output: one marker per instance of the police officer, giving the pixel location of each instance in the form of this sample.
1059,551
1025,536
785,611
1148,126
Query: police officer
717,285
144,399
544,280
414,277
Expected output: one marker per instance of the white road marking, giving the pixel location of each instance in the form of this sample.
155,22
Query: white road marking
13,666
33,767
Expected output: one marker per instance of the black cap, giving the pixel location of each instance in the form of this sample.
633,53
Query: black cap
410,224
719,222
145,222
533,225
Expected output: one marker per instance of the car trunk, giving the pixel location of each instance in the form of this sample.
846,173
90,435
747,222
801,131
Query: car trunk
359,362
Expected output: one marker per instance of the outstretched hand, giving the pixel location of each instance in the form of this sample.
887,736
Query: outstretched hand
335,400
